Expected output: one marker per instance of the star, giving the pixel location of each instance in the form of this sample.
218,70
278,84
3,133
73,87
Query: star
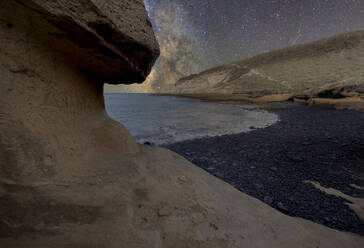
195,35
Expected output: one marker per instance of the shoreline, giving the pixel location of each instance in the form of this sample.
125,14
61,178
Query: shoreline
282,164
162,120
354,103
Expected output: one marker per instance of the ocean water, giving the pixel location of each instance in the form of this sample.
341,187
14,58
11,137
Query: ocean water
165,119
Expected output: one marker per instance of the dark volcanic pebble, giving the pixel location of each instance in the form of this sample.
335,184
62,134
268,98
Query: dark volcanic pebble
315,143
268,199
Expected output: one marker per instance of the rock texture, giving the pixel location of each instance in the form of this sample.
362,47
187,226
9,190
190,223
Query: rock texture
52,80
72,177
334,91
114,39
338,59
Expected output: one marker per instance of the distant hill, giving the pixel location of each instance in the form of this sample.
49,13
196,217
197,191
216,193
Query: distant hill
339,59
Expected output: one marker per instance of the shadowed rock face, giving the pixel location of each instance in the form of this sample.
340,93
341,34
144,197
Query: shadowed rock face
55,56
115,41
72,177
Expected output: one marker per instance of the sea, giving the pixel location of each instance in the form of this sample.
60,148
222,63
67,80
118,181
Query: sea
162,120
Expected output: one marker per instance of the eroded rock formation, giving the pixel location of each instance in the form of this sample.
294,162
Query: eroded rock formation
72,177
55,56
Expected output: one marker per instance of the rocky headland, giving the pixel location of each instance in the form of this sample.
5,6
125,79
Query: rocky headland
70,176
296,73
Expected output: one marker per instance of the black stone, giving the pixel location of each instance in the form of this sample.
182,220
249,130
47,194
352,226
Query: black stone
309,143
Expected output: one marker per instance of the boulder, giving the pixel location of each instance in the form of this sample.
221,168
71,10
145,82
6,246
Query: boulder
72,177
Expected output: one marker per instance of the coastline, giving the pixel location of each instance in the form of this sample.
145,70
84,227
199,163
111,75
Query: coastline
282,164
167,119
354,103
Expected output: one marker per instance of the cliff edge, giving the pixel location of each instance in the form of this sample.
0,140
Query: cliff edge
335,60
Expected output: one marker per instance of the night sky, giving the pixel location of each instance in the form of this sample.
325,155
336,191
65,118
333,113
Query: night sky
198,34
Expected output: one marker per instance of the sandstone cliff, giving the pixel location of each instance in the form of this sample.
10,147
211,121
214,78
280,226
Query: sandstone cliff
338,59
72,177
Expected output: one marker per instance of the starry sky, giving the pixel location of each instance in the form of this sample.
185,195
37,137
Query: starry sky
195,35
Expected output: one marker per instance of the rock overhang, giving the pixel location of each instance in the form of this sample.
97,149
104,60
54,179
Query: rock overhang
114,39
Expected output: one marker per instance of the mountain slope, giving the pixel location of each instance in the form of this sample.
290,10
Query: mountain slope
339,59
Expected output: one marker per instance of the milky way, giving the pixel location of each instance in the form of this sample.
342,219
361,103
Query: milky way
197,34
